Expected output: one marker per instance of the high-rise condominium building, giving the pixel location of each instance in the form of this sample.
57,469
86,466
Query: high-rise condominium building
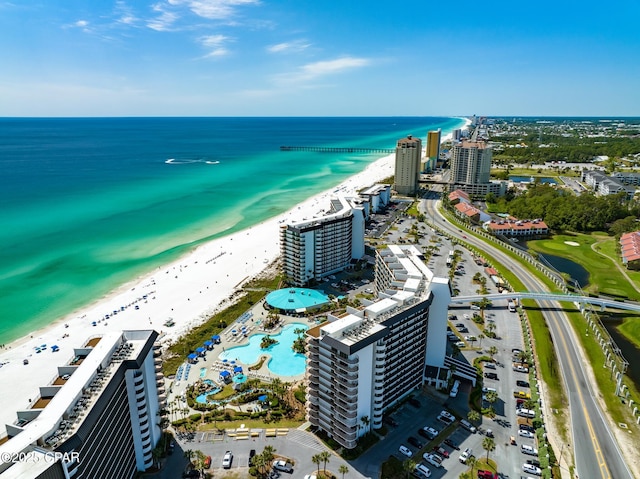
433,149
99,417
313,249
369,358
408,165
471,167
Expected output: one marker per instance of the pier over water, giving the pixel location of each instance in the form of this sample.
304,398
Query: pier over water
330,149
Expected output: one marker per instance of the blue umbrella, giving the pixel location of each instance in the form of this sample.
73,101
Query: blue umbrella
216,338
192,356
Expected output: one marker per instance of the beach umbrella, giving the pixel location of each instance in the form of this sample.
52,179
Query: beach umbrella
232,362
208,343
237,369
225,360
215,338
192,356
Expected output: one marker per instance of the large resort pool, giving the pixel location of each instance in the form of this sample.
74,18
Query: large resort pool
284,360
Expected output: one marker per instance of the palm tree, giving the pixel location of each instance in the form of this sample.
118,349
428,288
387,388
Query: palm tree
408,467
188,454
481,337
491,397
259,463
365,422
268,453
489,445
490,327
471,462
473,416
343,470
492,351
316,459
325,456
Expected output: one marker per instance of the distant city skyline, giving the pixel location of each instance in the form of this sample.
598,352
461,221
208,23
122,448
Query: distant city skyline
304,58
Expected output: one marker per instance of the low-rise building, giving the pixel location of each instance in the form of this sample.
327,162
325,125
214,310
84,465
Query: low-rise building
630,249
517,228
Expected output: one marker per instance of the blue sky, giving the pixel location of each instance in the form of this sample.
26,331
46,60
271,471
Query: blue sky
318,58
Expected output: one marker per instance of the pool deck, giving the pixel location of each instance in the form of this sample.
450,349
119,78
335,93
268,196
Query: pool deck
214,365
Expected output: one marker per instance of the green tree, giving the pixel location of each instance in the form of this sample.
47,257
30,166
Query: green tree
343,470
473,416
408,466
493,350
471,462
316,459
489,445
365,423
326,457
269,453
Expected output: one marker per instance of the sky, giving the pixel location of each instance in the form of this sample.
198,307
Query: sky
319,58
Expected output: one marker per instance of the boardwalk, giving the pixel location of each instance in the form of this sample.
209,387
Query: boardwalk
329,149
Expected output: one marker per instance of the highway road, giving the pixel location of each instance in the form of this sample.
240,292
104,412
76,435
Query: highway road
597,455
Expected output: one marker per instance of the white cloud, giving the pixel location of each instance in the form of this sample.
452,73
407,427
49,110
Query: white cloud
295,46
164,21
81,23
213,9
215,45
312,71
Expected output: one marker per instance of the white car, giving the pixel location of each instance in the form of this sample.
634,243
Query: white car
431,460
284,466
227,460
466,454
526,449
431,432
406,451
423,470
525,433
446,414
531,469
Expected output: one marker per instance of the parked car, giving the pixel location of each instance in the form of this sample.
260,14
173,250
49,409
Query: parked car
531,469
431,459
431,432
451,443
207,462
530,450
522,384
415,442
282,465
227,459
489,365
414,402
390,421
441,451
405,451
482,474
460,344
525,433
466,454
422,471
491,376
424,434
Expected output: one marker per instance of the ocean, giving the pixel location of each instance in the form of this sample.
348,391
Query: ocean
88,204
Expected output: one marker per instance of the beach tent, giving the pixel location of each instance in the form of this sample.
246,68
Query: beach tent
225,376
215,339
208,344
237,370
192,357
54,348
201,351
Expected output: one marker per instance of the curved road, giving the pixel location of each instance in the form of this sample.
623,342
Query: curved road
596,452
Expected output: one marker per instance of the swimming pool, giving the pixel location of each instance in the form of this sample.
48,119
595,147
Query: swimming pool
295,299
284,360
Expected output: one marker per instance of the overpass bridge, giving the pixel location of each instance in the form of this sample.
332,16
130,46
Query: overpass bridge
546,296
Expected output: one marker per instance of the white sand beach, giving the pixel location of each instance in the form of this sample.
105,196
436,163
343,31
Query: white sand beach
186,291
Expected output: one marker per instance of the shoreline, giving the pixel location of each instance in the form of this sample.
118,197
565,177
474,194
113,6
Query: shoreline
188,291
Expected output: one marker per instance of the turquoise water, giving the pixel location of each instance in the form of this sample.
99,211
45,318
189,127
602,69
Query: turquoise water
284,360
89,204
296,298
531,179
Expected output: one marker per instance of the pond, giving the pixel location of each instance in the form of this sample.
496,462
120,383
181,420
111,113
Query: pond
564,265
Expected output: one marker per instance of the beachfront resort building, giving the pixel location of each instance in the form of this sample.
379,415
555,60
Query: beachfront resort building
99,417
470,165
377,196
432,152
366,360
315,248
408,165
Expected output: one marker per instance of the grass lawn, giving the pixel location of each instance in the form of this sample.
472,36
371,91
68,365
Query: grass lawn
604,276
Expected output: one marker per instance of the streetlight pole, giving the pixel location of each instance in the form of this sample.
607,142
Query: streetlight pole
561,451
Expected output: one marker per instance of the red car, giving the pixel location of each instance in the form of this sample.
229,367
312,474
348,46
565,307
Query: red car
487,475
441,450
